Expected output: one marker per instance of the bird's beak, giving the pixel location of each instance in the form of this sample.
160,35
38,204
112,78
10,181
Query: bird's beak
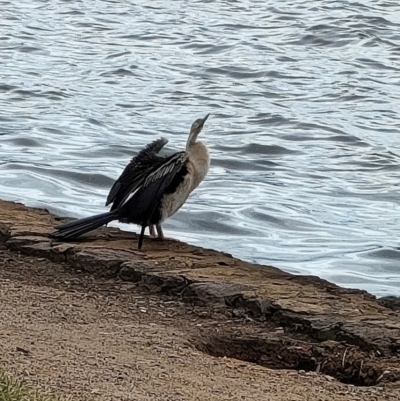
205,119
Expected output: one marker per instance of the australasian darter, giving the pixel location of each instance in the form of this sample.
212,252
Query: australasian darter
150,189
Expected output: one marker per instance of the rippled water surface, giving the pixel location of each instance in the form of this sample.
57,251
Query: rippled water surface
304,130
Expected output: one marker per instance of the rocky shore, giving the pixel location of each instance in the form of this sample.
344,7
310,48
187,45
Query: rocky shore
97,319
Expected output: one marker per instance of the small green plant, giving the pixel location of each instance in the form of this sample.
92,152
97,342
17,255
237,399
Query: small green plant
12,389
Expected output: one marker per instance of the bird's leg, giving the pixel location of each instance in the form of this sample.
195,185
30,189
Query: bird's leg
152,231
160,232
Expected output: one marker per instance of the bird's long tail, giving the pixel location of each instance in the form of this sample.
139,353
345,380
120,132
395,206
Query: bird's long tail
76,228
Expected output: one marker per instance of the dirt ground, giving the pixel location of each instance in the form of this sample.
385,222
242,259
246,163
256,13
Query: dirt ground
96,319
86,337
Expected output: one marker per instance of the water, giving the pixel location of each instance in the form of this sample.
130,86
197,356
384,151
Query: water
304,129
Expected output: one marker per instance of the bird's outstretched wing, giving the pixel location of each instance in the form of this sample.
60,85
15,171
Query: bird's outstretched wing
135,173
139,208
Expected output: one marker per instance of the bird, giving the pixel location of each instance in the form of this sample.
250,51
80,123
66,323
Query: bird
134,175
151,188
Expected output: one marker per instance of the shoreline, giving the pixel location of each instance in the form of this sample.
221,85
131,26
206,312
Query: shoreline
274,320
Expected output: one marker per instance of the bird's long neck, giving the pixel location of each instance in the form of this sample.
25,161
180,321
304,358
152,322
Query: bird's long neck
200,159
191,140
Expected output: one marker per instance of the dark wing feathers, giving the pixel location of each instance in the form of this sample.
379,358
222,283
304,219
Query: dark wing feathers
143,203
124,191
143,160
135,173
171,164
152,148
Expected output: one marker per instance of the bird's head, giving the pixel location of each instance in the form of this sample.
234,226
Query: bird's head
195,129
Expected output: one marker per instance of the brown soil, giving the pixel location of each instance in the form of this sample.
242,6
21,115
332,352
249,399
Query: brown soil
98,320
